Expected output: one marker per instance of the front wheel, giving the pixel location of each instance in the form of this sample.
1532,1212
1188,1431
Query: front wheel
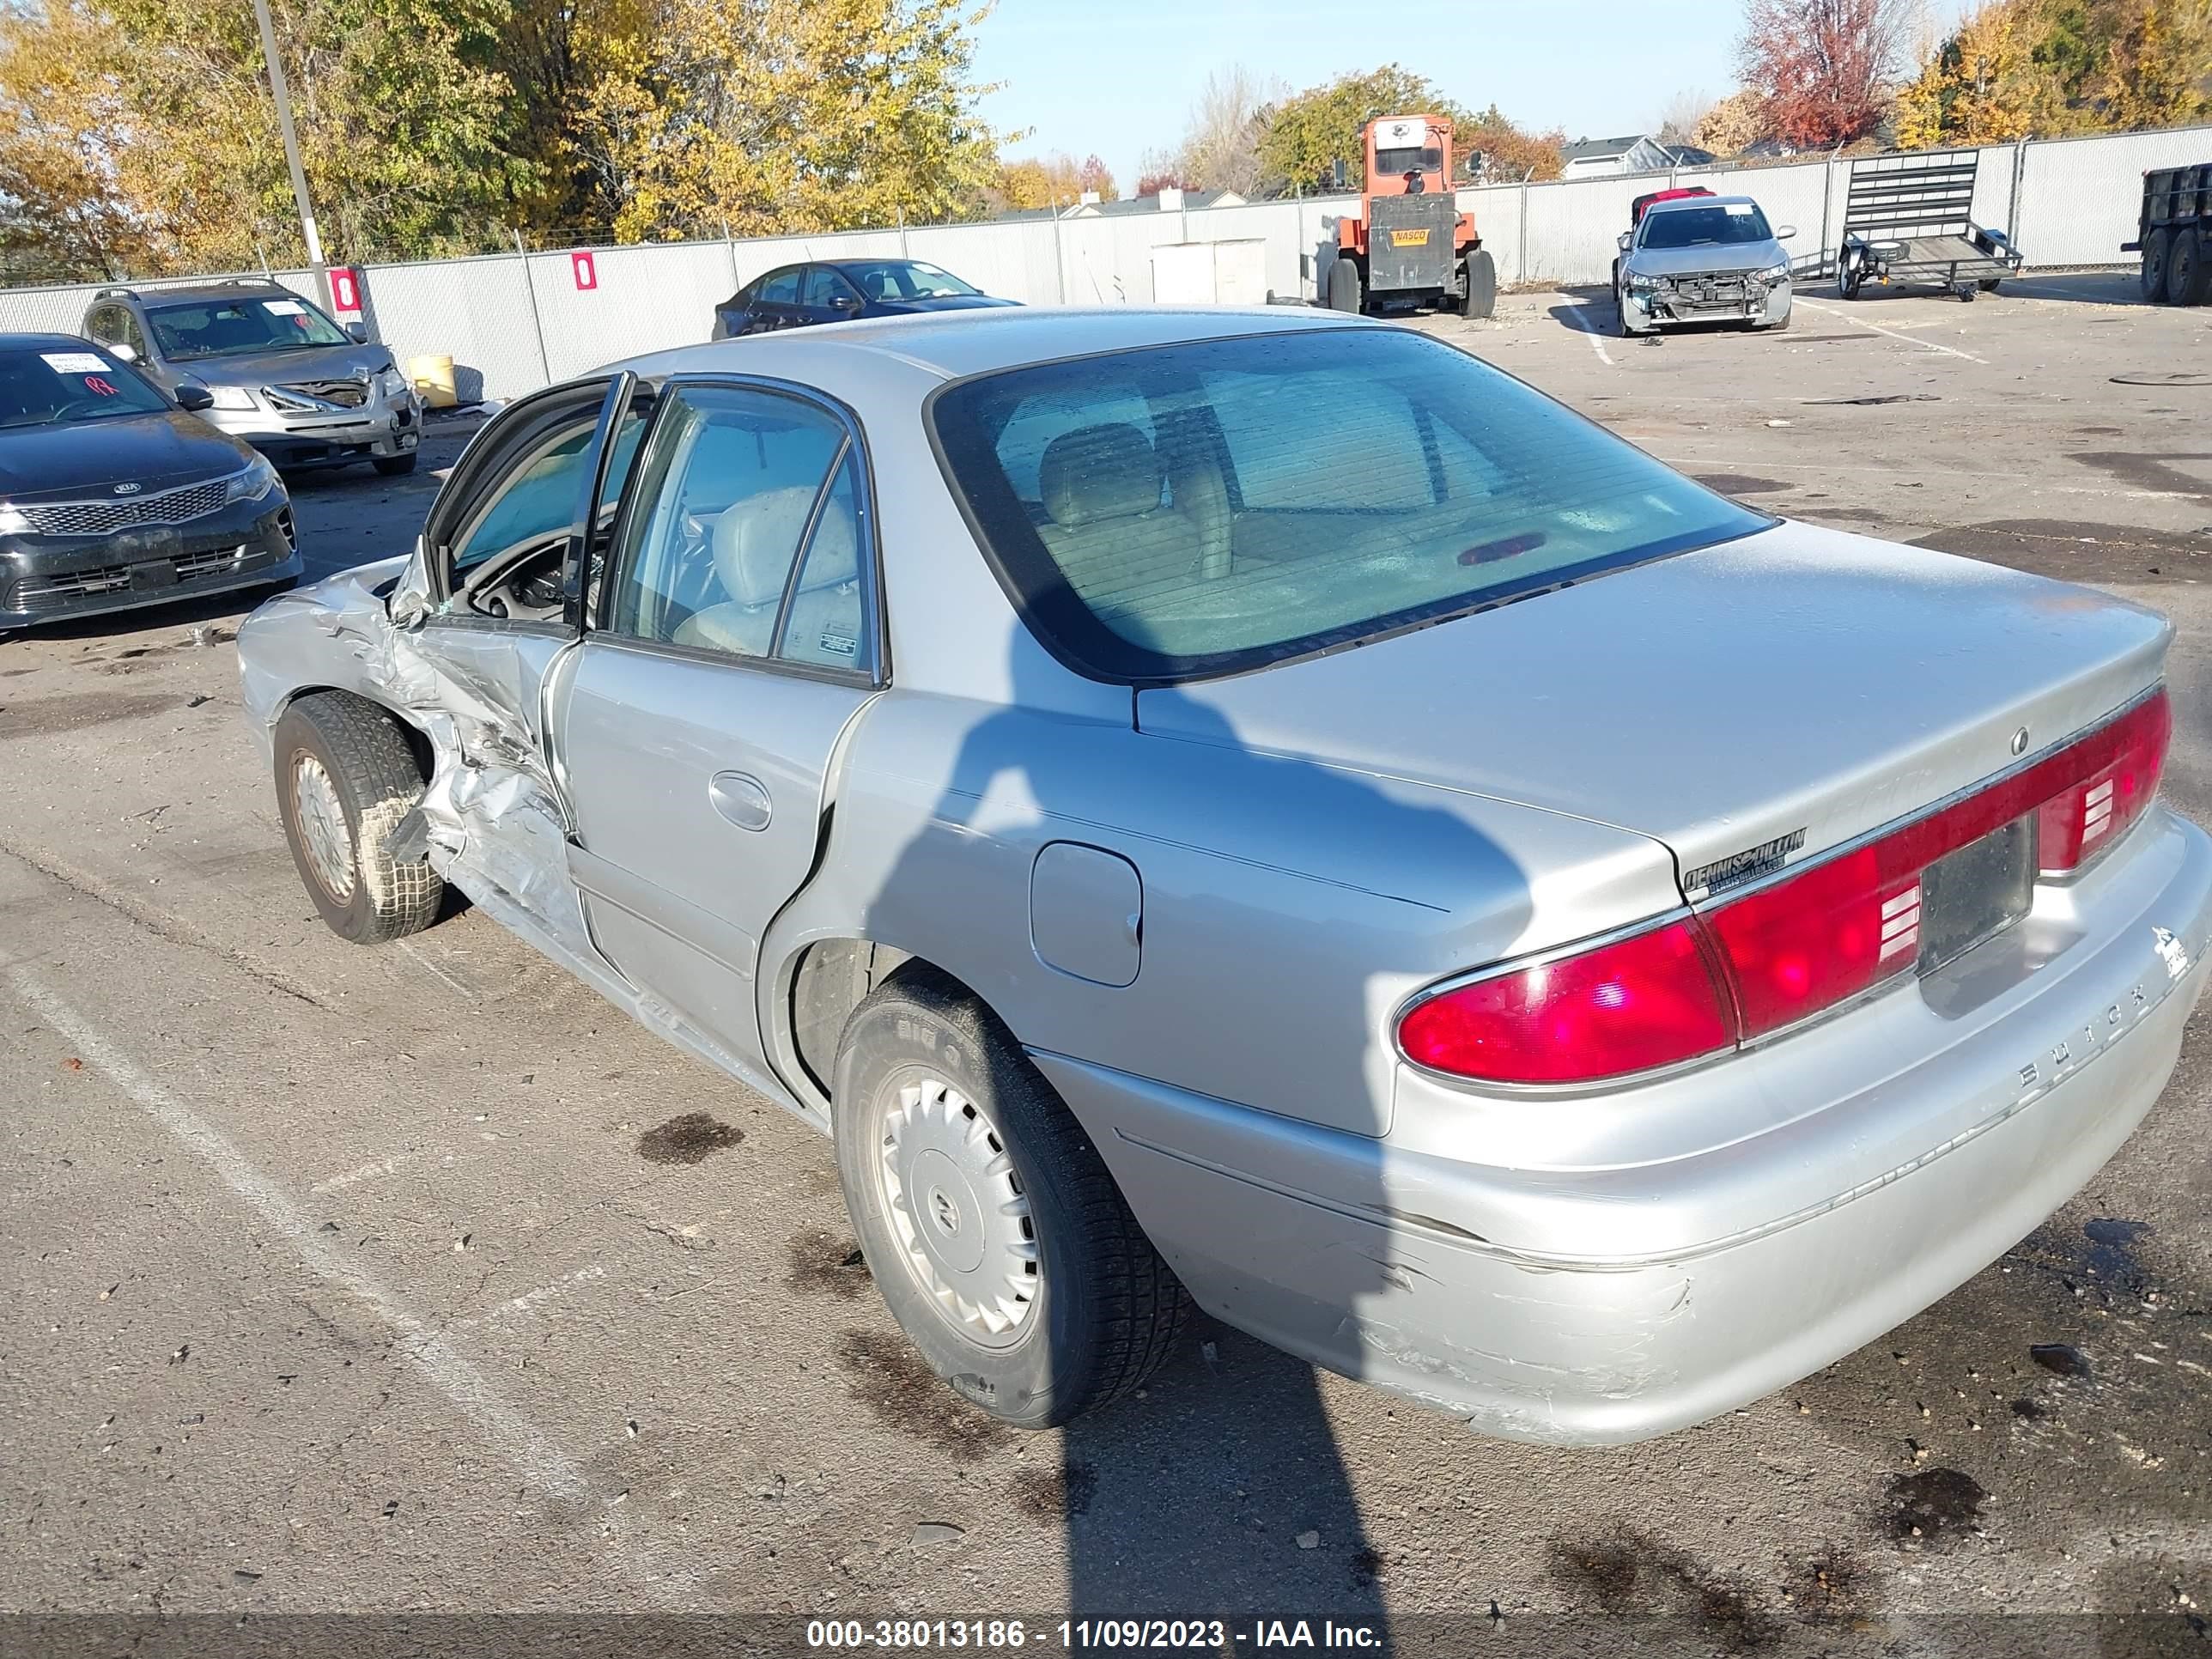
987,1219
345,777
396,467
1480,274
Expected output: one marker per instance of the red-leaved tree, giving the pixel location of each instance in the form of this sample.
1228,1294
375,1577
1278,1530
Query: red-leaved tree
1823,66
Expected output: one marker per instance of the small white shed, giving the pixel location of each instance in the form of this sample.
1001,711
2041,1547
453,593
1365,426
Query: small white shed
1209,274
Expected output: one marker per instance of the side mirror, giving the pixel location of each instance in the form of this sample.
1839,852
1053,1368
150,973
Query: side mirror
123,349
194,398
357,333
1623,240
844,302
1784,233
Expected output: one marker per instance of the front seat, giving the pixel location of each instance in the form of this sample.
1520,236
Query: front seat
753,545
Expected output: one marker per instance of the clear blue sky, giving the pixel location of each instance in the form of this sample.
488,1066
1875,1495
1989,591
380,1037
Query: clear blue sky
1119,78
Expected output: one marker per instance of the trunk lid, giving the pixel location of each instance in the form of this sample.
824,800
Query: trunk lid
1798,682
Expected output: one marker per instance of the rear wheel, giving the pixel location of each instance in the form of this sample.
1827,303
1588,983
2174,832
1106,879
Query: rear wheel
2187,274
987,1219
345,777
1344,287
394,466
2152,278
1481,276
1851,280
1989,285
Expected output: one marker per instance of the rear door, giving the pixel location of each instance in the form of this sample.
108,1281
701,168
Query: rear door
738,638
776,300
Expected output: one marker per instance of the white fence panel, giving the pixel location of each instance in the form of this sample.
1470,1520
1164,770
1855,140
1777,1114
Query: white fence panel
477,311
645,299
2078,197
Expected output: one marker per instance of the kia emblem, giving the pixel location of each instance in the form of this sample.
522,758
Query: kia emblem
126,489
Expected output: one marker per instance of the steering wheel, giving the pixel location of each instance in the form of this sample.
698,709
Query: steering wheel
75,403
498,566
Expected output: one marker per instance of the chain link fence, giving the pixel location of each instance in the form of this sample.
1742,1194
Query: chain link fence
523,317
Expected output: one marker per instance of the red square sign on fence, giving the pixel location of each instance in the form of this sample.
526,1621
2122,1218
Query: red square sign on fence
345,291
579,262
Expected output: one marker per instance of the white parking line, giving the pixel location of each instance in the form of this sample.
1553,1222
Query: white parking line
453,1377
1575,316
1909,339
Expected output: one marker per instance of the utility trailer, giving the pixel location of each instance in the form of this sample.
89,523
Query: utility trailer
2173,233
1908,219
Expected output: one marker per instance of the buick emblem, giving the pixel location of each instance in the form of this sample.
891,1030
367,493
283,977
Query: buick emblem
126,489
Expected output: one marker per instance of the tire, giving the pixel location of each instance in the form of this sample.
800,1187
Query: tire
1344,286
396,467
2152,278
1850,278
368,776
1482,271
1989,285
1620,315
2188,273
920,1055
1780,327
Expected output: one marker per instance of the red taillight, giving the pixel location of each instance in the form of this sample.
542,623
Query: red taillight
2129,755
1644,1002
1743,968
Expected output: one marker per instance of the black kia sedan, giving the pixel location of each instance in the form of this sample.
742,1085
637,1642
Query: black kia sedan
835,290
114,495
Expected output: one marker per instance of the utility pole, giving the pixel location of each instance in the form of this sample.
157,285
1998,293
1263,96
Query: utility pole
292,149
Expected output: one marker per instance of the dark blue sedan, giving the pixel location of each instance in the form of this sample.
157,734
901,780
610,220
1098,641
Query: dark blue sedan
795,296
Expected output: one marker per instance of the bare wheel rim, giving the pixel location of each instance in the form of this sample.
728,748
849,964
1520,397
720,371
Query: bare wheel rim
957,1210
323,827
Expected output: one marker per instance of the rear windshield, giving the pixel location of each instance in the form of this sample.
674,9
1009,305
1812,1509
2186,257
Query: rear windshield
1190,510
1704,226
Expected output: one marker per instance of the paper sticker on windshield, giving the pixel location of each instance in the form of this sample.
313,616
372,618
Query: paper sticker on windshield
283,307
74,362
1742,208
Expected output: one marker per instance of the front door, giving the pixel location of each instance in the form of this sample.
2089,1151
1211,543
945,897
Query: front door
737,639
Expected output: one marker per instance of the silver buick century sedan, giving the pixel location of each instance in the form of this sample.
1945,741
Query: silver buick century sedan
1271,812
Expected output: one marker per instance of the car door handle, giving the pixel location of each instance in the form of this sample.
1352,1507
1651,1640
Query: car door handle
740,798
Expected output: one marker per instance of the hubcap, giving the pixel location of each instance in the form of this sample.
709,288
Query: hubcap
957,1208
323,827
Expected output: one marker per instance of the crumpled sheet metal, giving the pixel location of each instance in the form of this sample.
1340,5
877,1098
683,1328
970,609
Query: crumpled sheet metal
491,817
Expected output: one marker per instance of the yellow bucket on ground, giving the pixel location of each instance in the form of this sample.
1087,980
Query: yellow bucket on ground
434,381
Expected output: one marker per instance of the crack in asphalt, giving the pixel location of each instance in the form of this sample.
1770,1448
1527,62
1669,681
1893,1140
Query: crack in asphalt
160,924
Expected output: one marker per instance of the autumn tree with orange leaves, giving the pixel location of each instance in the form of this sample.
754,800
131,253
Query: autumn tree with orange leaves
1822,68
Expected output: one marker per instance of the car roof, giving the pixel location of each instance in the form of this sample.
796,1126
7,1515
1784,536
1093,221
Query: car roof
951,345
42,342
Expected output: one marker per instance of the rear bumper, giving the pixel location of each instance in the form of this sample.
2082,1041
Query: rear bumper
1461,1285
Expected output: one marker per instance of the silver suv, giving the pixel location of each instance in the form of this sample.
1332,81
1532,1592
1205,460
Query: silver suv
284,376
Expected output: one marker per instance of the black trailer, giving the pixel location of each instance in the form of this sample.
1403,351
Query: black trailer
1908,219
2173,233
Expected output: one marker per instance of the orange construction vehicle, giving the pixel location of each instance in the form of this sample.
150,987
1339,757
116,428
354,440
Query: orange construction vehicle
1411,245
